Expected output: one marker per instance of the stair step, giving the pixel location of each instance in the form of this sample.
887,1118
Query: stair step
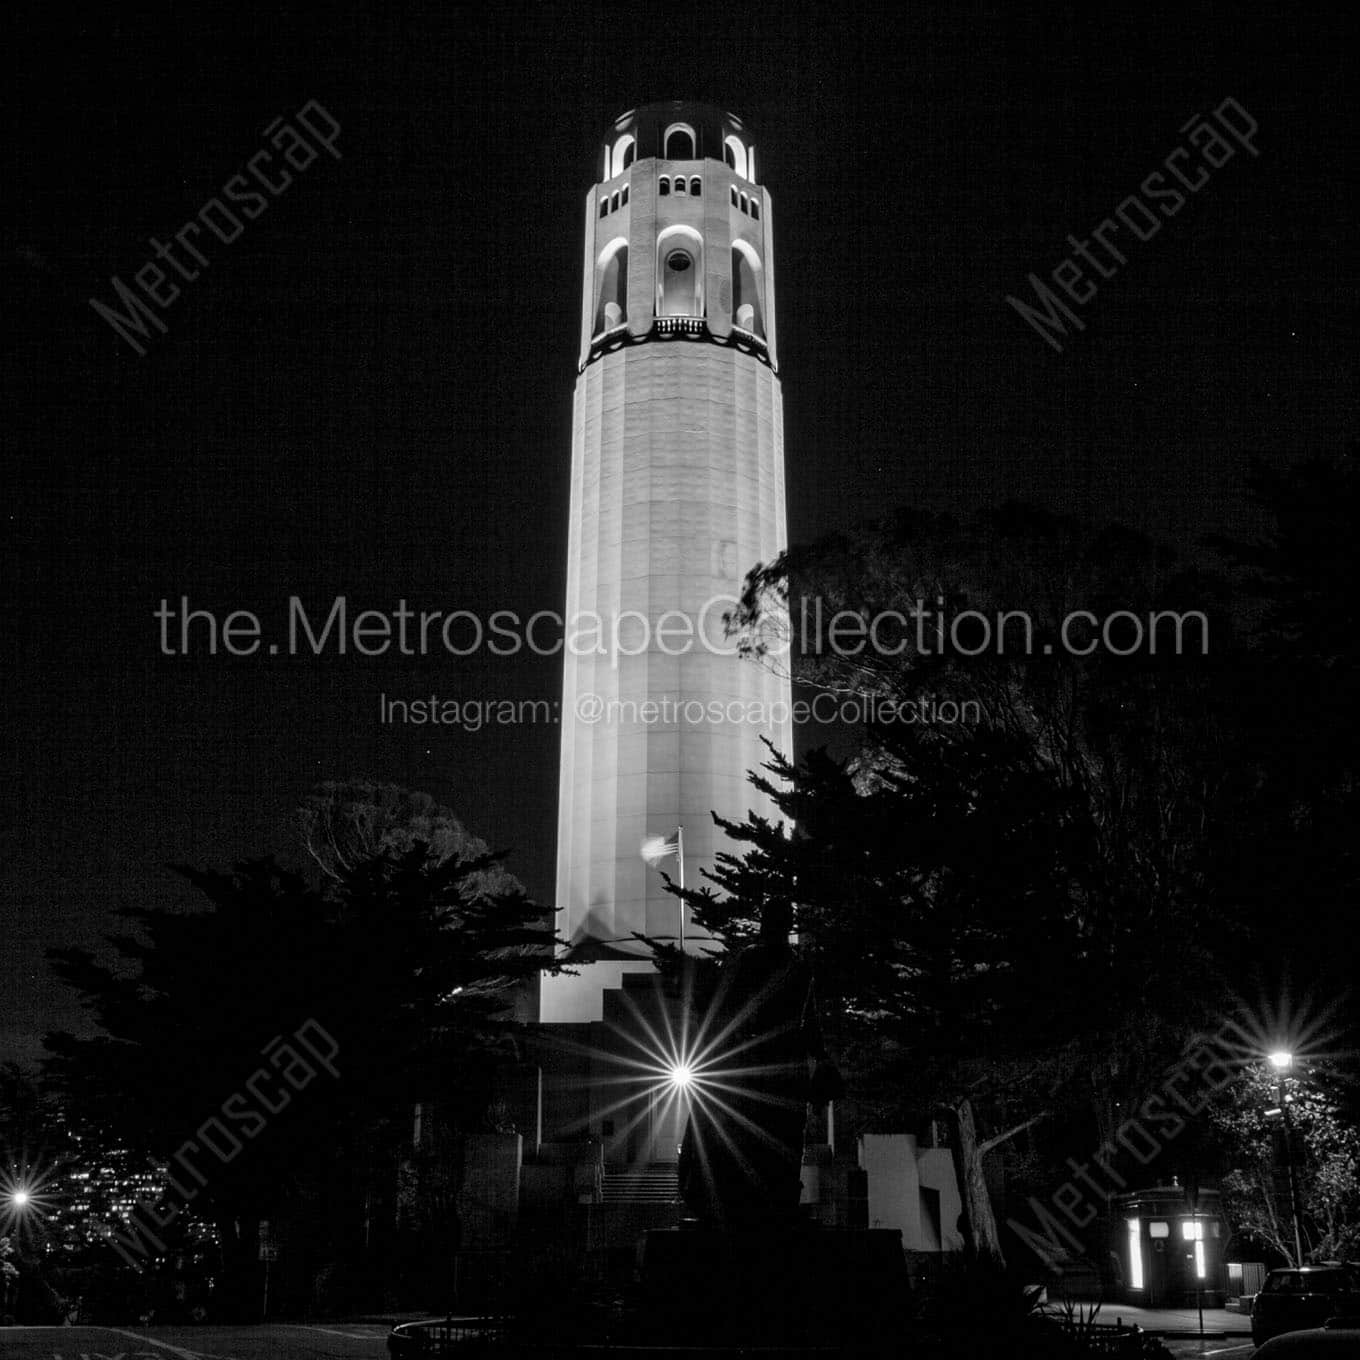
657,1184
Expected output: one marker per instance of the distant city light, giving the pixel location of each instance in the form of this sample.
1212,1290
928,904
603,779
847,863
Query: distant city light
681,1074
20,1198
1282,1060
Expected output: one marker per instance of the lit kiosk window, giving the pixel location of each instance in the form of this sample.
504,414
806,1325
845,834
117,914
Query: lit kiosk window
1192,1230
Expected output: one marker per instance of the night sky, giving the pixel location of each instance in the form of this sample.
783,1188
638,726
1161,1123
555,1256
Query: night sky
369,392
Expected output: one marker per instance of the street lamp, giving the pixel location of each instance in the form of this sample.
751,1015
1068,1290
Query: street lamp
17,1201
1282,1060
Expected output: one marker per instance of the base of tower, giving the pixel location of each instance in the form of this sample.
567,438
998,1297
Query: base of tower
577,998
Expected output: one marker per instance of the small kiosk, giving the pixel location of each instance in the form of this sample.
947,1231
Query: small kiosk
1169,1248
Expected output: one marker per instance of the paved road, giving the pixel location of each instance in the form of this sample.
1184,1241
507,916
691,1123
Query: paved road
1233,1348
337,1341
277,1341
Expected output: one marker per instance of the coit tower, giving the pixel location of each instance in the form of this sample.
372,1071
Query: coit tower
677,490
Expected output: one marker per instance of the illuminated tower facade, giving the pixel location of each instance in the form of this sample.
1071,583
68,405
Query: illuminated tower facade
677,490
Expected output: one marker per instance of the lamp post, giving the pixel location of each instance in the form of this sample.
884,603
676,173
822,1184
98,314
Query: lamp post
18,1203
1282,1061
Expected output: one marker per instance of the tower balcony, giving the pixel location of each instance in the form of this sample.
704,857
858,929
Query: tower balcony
680,325
671,327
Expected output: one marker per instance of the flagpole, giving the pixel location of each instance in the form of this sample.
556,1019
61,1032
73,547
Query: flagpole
680,859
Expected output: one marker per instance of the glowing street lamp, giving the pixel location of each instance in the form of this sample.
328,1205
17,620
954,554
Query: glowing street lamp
681,1075
19,1198
1282,1060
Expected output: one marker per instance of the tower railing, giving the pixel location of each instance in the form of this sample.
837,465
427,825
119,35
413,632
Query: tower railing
681,325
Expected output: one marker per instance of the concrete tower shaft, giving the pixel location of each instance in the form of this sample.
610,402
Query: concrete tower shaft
677,491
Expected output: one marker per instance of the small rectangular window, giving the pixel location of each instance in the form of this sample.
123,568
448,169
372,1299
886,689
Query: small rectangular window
1159,1230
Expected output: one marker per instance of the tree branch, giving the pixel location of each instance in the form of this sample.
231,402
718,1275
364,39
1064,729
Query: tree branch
1010,1133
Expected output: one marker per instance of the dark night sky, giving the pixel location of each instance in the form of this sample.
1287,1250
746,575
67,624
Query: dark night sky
369,393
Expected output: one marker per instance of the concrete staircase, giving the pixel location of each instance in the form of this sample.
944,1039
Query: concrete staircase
650,1183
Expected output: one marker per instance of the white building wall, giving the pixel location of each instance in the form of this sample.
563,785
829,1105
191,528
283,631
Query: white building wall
889,1162
897,1171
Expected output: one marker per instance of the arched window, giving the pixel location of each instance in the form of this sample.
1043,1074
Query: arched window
679,184
624,198
745,206
663,186
604,205
755,205
696,186
748,306
735,155
623,153
614,202
734,195
680,272
611,273
679,142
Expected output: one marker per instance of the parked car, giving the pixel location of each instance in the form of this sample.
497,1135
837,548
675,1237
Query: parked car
1338,1339
1304,1296
446,1336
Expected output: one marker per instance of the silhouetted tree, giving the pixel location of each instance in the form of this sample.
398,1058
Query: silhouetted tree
1325,1149
986,901
1293,875
344,823
404,965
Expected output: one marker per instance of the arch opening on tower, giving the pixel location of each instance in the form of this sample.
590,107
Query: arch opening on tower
735,156
679,143
680,272
612,291
625,149
748,304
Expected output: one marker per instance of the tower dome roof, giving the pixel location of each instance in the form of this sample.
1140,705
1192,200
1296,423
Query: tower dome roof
680,129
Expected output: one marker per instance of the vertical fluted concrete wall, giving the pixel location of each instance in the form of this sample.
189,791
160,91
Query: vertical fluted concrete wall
677,491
